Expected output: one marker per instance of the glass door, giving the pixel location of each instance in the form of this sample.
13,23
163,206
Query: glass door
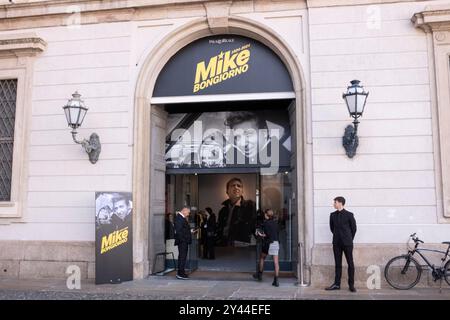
276,194
182,190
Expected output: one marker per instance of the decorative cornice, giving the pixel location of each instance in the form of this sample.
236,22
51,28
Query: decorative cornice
25,44
433,19
28,14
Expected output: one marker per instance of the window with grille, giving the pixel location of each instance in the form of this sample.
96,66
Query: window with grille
8,93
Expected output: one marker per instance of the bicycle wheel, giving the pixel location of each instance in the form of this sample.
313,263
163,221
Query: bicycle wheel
447,272
402,272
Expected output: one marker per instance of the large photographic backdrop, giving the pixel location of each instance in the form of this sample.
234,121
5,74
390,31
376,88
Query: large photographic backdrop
233,139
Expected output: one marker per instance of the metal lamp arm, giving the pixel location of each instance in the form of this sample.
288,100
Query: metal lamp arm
91,146
85,143
355,125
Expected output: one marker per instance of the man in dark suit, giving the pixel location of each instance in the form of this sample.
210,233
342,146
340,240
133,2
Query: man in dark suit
343,227
183,238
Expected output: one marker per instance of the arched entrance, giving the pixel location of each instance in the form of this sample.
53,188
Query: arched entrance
149,170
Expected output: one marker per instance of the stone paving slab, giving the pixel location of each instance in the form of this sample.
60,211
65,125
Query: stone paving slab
223,290
165,288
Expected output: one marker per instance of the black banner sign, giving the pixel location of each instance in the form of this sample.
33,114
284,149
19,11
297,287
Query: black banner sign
227,64
113,237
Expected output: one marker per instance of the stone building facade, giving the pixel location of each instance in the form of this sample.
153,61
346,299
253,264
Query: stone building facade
112,53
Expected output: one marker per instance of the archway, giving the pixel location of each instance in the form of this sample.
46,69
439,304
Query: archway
148,193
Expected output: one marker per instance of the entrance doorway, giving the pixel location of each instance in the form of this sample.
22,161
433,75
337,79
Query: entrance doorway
217,247
149,171
244,147
204,193
197,84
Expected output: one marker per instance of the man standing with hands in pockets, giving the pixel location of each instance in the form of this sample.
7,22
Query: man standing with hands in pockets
343,227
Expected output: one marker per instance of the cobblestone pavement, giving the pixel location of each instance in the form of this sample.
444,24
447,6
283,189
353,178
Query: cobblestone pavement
168,288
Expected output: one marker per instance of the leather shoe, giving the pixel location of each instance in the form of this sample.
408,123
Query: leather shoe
352,289
182,276
275,282
333,287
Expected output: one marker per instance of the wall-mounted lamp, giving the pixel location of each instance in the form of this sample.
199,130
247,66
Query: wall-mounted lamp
75,111
355,98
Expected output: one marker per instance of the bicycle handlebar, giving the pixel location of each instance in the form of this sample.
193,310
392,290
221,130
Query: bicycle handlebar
415,239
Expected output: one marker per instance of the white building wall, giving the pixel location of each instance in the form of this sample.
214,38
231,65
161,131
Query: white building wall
95,60
102,62
292,27
390,183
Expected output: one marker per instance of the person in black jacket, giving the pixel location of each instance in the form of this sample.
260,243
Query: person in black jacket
343,227
183,238
268,231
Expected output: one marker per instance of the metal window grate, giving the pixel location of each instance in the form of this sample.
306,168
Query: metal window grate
8,93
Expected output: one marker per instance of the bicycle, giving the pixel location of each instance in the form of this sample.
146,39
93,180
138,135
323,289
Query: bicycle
404,272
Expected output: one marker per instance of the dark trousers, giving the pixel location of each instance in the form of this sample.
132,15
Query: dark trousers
348,252
182,255
209,251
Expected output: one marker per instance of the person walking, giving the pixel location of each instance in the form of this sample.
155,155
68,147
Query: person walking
271,246
183,238
343,227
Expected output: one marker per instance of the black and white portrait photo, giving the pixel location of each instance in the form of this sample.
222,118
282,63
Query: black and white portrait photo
228,139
